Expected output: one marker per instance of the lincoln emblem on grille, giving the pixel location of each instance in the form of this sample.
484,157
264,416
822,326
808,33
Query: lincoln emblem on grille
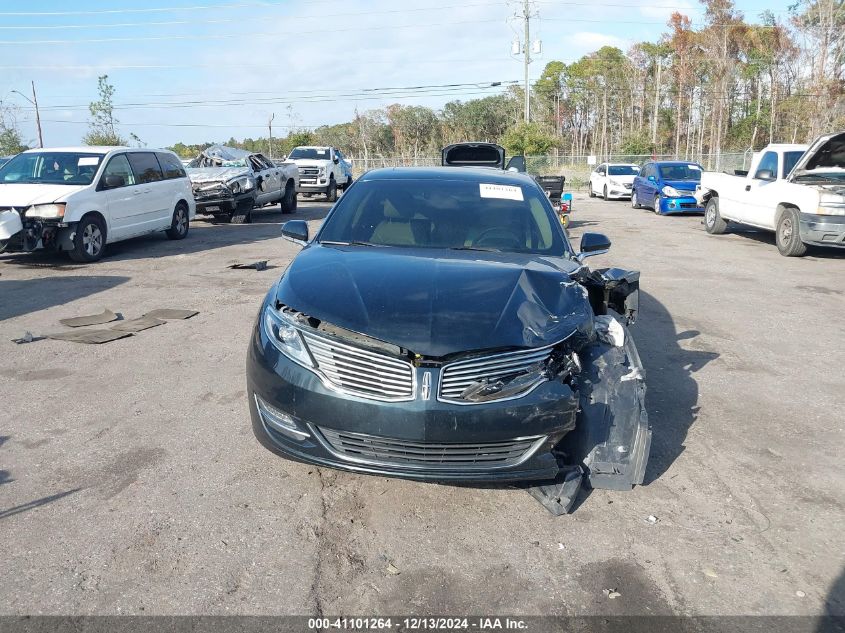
425,389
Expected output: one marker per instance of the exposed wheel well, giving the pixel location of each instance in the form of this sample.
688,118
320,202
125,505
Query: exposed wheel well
783,206
102,220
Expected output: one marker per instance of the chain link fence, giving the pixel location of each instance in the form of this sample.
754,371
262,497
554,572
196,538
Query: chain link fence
576,168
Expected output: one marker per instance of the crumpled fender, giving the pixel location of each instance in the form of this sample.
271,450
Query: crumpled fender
612,439
10,224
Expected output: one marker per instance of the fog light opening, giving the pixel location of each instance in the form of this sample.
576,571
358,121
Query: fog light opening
279,421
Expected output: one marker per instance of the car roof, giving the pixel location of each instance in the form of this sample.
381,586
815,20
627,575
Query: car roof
674,162
467,174
785,147
94,149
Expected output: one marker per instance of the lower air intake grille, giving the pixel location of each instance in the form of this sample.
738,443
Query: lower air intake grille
385,451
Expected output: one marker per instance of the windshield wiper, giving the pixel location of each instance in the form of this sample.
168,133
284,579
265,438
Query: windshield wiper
351,243
475,248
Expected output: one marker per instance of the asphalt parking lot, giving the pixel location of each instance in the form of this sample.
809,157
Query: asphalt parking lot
130,481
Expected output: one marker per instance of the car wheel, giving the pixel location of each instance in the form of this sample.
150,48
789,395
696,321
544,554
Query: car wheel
655,206
331,192
243,214
592,192
604,193
634,203
348,184
89,239
289,199
713,222
179,224
787,235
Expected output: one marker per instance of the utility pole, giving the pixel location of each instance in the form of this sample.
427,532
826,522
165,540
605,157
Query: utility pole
270,140
34,101
526,48
656,105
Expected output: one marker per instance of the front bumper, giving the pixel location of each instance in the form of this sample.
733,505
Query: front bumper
312,185
539,419
683,204
822,230
220,201
618,192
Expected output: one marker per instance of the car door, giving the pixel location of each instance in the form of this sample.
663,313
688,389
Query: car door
756,200
155,198
265,192
274,176
647,184
123,198
600,178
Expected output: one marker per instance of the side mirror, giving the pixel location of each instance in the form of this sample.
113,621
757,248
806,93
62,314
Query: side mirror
295,231
652,179
765,174
113,182
593,244
335,160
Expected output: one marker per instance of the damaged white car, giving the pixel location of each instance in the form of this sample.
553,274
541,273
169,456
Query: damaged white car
229,183
79,199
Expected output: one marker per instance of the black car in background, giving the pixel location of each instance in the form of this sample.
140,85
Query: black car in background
440,326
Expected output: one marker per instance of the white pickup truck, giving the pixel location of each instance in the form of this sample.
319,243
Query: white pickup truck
321,170
796,191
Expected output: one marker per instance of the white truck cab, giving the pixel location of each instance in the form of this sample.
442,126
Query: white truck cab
78,199
796,191
322,170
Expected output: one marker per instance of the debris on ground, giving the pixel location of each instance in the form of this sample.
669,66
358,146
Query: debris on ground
259,265
89,336
709,573
652,519
92,319
28,337
800,594
611,594
138,325
392,569
168,314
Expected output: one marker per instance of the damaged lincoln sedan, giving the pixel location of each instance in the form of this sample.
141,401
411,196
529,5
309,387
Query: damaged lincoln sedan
440,326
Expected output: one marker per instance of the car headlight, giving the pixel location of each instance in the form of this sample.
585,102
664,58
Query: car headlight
614,183
285,337
322,171
241,183
831,204
46,211
671,192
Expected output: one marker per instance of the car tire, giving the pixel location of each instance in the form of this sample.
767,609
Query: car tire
604,193
288,202
787,235
331,192
242,214
89,239
592,193
634,203
713,222
655,205
348,184
179,224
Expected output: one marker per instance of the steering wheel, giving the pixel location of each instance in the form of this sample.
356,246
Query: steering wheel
500,236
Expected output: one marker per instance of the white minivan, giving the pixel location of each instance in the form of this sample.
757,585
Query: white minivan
78,199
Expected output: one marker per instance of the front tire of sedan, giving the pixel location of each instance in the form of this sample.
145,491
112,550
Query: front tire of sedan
604,193
713,222
634,202
179,225
89,240
655,206
787,236
592,192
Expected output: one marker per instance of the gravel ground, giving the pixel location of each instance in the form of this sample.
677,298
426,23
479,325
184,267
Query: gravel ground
130,481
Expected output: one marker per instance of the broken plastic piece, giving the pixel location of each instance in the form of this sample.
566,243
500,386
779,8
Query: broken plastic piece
137,325
559,496
168,313
93,319
259,265
610,330
28,337
90,336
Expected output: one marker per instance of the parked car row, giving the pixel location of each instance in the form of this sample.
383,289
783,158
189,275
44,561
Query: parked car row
663,186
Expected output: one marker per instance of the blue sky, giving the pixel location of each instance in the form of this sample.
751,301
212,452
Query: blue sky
307,63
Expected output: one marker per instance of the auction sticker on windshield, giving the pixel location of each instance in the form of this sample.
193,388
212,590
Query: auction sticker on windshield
504,192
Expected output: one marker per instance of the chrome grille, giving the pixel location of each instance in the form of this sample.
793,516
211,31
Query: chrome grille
360,371
457,376
309,171
388,451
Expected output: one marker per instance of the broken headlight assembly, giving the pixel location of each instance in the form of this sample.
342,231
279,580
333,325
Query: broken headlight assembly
285,337
241,184
46,211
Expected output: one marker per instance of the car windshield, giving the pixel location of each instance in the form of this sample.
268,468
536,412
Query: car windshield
685,171
55,168
313,153
456,214
623,170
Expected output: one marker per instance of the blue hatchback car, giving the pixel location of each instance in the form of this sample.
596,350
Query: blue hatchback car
667,187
